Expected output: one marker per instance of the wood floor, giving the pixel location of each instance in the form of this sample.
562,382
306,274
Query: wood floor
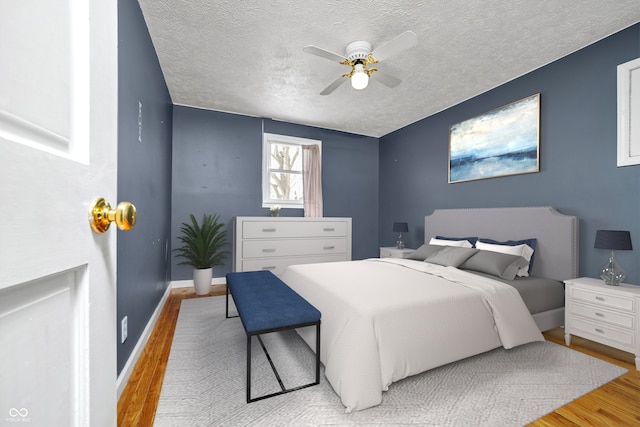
139,400
614,404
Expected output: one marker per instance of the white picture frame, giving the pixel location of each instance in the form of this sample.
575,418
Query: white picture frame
629,113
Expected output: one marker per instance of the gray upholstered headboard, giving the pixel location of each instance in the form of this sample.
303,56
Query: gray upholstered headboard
556,255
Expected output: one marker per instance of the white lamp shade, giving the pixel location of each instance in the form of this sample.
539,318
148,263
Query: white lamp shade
359,79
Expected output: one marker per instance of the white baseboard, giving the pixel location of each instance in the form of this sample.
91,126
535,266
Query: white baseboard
189,283
123,378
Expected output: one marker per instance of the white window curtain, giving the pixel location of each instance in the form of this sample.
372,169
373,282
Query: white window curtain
312,180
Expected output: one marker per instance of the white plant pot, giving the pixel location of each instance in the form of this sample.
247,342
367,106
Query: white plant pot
202,280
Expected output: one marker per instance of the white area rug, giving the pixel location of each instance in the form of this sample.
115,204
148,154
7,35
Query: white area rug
205,382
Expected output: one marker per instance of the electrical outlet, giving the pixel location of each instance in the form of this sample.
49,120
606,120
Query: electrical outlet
123,329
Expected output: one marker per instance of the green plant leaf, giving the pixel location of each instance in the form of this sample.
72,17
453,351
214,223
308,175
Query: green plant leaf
202,244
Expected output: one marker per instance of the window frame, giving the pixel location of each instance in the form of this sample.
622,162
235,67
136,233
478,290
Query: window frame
272,138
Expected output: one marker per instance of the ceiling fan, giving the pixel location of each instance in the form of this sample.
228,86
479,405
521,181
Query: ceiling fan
359,56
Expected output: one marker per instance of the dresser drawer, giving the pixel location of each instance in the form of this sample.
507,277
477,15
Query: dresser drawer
620,302
293,247
292,229
599,314
279,265
275,243
603,333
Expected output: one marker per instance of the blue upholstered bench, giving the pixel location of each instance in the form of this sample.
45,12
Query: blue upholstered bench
266,304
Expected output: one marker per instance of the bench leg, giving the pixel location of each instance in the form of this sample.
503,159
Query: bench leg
283,388
273,367
318,353
227,307
248,368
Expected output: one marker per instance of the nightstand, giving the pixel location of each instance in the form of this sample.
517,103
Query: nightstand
393,252
609,315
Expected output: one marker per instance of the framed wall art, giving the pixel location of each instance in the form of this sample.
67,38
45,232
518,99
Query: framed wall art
501,142
629,113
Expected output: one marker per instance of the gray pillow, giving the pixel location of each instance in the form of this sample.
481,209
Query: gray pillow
424,252
495,263
451,256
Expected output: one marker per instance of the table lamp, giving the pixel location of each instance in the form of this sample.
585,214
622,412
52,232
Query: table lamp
400,227
611,272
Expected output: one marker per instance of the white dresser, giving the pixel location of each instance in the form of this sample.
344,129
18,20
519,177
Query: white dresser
609,315
265,243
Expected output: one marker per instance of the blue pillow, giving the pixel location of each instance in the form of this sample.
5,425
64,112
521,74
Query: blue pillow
530,242
471,240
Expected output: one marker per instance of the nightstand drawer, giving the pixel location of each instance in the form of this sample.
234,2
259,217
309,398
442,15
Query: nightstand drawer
603,334
619,302
601,315
393,252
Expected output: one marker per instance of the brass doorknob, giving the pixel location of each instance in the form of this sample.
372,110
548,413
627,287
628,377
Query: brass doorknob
101,215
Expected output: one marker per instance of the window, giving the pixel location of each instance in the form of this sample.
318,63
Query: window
282,170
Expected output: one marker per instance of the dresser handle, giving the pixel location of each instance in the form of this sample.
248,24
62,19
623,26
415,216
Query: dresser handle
271,267
599,330
329,248
268,251
329,229
600,298
268,230
599,314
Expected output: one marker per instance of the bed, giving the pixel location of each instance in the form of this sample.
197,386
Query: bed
386,319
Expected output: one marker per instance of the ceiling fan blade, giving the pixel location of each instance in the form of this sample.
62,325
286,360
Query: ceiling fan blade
386,79
333,86
323,53
402,42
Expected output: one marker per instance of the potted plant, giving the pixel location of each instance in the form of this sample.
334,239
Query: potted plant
202,249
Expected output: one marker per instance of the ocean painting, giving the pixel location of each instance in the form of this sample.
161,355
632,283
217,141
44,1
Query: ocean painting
504,141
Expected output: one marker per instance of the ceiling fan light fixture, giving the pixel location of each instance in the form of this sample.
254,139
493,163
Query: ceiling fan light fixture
359,79
359,56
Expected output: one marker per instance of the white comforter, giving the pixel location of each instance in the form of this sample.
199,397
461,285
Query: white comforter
387,319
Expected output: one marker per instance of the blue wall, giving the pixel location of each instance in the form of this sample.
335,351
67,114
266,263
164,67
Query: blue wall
144,177
217,168
578,173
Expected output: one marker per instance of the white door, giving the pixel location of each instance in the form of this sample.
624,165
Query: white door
58,135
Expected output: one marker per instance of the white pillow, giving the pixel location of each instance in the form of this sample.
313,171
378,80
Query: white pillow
525,251
458,243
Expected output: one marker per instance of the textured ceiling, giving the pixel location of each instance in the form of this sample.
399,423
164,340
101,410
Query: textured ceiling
246,57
